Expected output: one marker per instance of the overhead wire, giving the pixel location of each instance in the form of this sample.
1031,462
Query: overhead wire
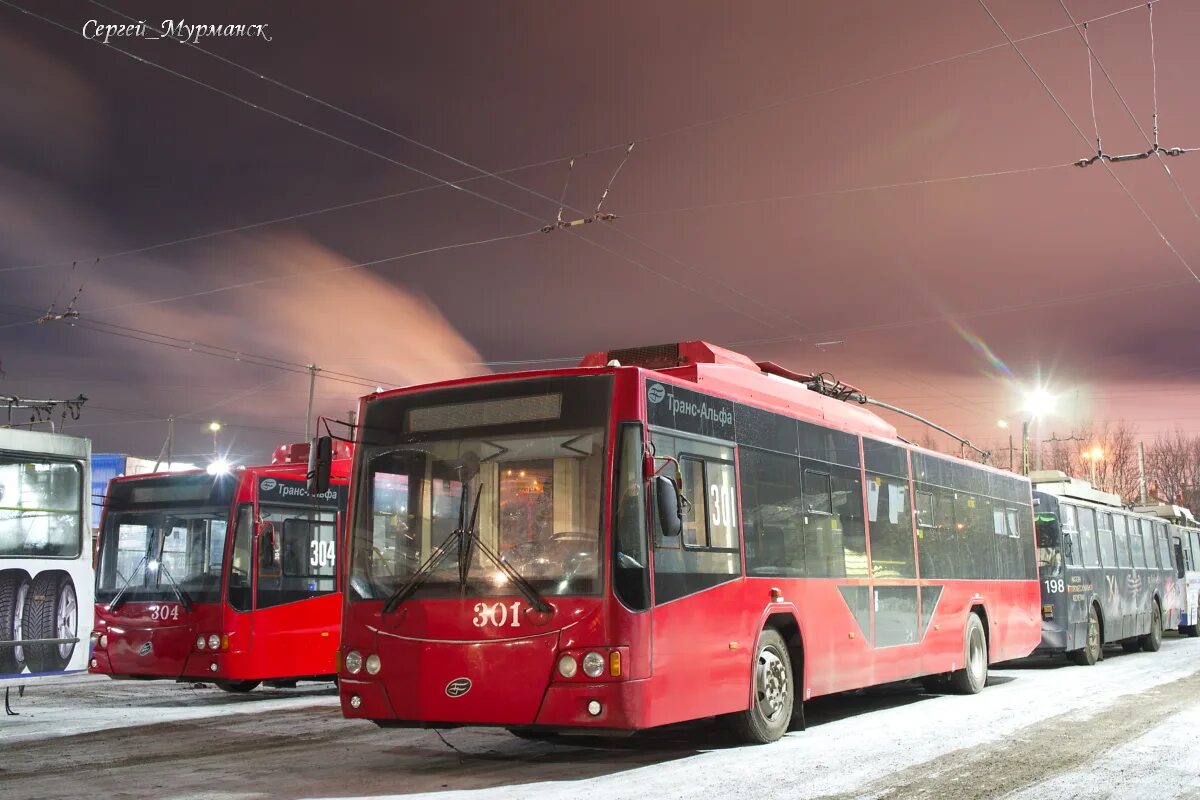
1107,166
1154,145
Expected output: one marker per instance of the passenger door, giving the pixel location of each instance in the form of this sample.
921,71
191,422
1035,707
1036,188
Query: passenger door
701,635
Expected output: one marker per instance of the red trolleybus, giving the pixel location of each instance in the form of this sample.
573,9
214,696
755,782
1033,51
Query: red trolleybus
227,578
660,535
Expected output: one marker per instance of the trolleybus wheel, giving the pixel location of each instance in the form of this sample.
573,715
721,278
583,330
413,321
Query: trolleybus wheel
1193,630
14,589
1090,653
51,612
534,735
287,684
1153,640
973,676
770,711
238,687
1131,645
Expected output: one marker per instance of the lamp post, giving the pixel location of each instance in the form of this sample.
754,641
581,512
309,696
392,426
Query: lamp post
215,427
1093,456
1038,401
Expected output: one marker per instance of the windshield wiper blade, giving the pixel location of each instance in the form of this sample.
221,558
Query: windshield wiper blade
412,584
119,597
466,547
184,598
519,580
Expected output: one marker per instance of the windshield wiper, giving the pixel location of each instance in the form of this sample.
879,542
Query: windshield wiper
412,584
468,540
119,597
184,598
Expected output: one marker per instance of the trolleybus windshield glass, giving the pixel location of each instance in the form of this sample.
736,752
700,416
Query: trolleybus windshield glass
146,549
530,453
39,508
1049,540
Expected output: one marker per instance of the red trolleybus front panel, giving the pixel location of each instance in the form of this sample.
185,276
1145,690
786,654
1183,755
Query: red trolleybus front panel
158,586
521,465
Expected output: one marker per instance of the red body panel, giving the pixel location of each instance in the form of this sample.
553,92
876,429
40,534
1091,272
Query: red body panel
688,658
293,640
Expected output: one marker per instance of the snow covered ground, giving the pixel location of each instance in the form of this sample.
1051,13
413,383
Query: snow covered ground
1125,728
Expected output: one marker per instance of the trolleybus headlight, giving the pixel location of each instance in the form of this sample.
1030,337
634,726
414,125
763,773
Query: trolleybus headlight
594,708
199,642
354,662
214,641
593,665
567,666
373,664
104,640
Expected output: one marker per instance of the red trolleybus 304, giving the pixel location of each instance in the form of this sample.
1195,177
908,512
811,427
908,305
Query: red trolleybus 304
228,578
665,534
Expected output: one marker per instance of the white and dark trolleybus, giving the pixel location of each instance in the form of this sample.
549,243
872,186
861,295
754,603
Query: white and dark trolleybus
1185,540
1108,573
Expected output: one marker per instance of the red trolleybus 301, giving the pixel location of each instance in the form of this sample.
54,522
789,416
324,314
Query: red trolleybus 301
665,534
228,578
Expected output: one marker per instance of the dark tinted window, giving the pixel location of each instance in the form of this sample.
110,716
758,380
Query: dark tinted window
888,511
772,516
630,560
1087,537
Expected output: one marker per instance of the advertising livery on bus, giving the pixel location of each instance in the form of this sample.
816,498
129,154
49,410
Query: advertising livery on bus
659,535
45,555
1108,574
1185,540
229,578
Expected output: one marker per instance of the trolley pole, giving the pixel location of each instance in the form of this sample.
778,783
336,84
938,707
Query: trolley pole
312,388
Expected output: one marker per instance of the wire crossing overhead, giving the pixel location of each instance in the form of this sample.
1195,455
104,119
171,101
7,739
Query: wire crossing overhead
43,410
1155,147
597,215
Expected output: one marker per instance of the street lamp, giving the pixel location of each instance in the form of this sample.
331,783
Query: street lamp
1092,456
215,427
1003,425
1037,402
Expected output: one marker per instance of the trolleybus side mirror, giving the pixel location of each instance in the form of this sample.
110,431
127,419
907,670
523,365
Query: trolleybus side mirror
670,509
320,464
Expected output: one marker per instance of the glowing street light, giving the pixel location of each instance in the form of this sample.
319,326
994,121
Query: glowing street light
1002,423
1038,402
219,466
1092,456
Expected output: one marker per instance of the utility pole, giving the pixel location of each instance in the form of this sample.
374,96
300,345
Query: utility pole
1142,472
1025,447
312,388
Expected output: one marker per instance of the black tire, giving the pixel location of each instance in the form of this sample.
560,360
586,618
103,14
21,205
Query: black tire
283,684
935,684
973,676
534,735
1153,640
1193,631
51,612
238,687
14,589
770,712
1089,654
1131,645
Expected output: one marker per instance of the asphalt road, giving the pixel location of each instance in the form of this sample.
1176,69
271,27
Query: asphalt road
1128,727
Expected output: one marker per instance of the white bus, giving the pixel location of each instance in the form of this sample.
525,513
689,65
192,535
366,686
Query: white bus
46,577
1185,538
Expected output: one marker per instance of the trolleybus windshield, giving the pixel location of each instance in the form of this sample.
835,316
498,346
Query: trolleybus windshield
532,455
144,551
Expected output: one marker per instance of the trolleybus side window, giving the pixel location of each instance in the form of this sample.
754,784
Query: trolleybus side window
1121,537
772,513
1087,537
818,492
1051,542
890,520
630,559
1148,544
240,556
1070,534
297,554
924,504
711,553
1164,546
1108,553
1136,545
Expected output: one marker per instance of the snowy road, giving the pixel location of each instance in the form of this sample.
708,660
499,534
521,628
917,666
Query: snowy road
1128,728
